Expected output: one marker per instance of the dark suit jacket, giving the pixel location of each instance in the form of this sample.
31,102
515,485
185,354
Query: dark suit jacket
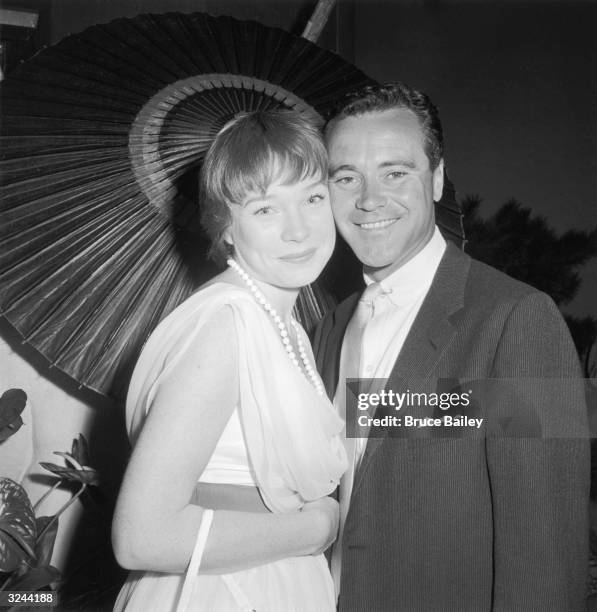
493,521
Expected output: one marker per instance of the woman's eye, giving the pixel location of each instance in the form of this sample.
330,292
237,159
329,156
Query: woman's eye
316,198
264,210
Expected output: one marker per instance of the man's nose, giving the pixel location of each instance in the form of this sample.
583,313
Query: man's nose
370,197
295,227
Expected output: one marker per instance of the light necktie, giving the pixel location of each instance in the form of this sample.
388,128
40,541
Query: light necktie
352,349
353,338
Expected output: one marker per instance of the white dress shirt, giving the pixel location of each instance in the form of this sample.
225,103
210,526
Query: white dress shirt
396,309
394,312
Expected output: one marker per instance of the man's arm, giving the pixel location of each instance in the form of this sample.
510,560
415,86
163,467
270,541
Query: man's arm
539,484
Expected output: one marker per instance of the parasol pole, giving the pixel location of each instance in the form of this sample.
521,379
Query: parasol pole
320,16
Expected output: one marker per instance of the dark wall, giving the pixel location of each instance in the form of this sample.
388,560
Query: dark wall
74,15
58,18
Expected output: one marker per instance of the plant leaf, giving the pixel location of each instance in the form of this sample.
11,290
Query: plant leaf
12,555
80,450
11,429
44,545
17,525
37,578
86,475
70,460
16,534
12,403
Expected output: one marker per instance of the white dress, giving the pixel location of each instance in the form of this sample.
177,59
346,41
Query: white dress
282,437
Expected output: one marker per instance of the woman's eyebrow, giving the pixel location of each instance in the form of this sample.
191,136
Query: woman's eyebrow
256,198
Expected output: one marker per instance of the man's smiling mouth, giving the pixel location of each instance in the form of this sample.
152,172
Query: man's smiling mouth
377,224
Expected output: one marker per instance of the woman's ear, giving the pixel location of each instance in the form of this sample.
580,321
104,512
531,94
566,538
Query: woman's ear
227,236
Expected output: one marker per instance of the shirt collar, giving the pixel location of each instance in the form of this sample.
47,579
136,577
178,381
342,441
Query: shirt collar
408,282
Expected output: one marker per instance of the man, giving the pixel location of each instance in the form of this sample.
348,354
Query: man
490,518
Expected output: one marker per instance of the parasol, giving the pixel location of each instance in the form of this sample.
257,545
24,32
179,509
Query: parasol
100,135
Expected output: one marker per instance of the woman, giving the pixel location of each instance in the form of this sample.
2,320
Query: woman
225,408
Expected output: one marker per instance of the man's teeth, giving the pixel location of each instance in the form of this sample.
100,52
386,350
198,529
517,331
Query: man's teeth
377,224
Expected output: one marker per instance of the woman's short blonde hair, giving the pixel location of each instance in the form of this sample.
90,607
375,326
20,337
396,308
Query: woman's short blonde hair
250,153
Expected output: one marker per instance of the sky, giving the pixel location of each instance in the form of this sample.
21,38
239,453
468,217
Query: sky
516,87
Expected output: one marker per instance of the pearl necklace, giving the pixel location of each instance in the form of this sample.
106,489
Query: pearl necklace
310,375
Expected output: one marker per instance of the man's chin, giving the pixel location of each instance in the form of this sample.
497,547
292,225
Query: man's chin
378,272
374,261
380,267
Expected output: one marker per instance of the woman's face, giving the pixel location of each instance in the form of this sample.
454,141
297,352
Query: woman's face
285,236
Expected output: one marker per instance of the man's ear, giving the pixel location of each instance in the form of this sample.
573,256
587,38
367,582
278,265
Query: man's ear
438,181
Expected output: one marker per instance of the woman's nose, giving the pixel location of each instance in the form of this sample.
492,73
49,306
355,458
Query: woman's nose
295,227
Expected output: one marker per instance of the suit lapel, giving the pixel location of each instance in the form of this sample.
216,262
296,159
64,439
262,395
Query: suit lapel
430,334
328,356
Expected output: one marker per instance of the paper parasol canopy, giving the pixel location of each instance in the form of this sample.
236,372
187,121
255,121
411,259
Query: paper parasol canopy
100,135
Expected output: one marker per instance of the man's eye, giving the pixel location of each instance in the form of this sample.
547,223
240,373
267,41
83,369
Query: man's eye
396,174
345,180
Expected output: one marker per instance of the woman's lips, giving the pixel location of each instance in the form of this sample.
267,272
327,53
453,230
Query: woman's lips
298,257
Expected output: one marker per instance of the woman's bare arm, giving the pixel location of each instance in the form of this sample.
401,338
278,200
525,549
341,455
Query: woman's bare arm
156,523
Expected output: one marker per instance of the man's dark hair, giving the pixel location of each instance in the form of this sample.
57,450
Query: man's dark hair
377,98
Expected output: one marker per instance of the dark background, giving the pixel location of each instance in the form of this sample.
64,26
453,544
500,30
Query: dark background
516,87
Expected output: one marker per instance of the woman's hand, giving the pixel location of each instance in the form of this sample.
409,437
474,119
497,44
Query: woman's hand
326,514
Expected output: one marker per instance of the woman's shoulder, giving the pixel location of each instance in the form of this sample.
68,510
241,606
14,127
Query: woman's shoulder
202,331
216,312
206,302
222,290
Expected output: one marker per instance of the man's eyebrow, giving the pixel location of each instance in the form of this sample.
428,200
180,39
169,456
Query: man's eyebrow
343,167
405,163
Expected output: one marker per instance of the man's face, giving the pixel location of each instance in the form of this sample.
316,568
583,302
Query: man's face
382,188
